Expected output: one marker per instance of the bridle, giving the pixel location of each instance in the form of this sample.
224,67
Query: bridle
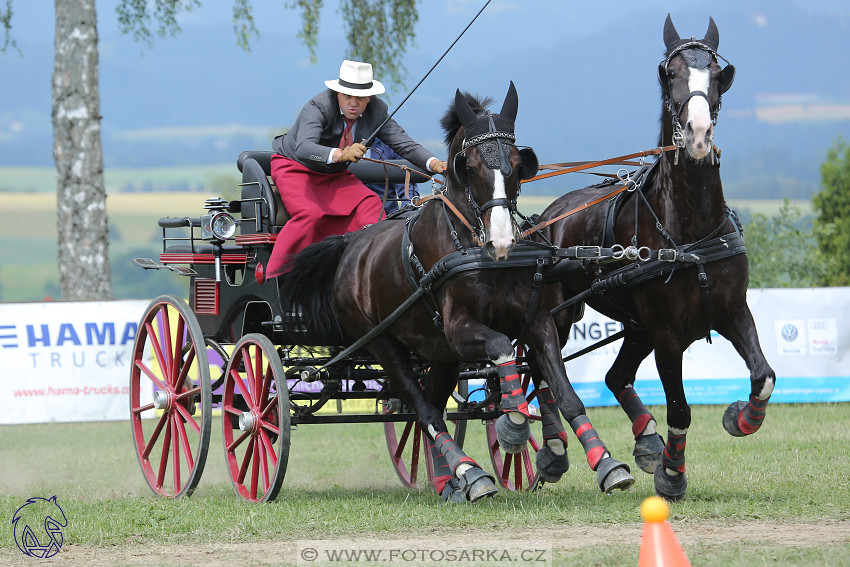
494,147
697,55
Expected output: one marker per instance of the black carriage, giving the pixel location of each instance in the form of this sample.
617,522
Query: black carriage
232,352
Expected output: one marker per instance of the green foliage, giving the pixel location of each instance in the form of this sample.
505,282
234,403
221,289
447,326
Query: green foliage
137,17
782,252
380,31
243,23
6,24
309,34
832,223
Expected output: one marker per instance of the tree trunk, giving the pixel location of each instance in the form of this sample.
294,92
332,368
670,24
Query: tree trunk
82,246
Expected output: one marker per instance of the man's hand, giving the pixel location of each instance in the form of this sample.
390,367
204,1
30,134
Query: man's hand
439,166
352,153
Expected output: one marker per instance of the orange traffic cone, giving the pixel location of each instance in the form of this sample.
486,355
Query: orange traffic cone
658,544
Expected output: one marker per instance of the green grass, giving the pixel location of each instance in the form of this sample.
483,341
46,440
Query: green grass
340,484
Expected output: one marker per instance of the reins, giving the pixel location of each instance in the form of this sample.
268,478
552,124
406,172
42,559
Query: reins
588,165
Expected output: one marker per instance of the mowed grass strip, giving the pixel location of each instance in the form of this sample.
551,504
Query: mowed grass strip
339,483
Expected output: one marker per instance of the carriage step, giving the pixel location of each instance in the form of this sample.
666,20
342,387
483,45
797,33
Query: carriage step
149,264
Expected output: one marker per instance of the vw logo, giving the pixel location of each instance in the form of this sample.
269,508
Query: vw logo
789,332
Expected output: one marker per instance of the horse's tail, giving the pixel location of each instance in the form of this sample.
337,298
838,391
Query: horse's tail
307,288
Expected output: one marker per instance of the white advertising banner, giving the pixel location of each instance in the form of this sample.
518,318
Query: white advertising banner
804,334
71,361
66,361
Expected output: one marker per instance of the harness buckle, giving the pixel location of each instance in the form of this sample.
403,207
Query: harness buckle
586,252
702,277
618,252
667,254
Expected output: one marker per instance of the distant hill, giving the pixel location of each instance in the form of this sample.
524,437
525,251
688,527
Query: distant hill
586,91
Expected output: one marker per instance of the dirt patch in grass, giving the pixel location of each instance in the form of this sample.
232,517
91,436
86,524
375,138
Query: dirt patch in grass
537,546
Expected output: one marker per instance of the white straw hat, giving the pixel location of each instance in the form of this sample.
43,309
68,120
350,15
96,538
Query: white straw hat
355,79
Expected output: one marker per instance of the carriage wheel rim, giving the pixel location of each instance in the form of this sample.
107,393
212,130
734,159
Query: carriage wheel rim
170,433
256,439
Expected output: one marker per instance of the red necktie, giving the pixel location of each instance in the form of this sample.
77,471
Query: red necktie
347,139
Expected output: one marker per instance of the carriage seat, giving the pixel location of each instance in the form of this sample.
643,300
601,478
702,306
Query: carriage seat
256,169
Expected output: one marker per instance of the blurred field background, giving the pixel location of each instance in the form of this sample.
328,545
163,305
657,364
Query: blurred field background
136,199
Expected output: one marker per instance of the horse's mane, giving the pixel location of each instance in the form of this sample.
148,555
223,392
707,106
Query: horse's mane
451,123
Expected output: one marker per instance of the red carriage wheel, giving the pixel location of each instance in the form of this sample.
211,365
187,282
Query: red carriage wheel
255,419
515,472
409,447
170,397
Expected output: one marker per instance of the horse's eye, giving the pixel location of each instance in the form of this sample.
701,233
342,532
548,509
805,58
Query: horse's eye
671,74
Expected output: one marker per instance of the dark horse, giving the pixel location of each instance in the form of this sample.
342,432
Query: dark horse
359,281
699,282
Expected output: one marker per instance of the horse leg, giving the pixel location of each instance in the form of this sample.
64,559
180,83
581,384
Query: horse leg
620,379
552,460
473,482
469,339
439,384
611,474
745,418
670,480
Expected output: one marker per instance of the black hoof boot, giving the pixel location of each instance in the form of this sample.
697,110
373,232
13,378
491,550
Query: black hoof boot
550,466
512,437
476,483
452,494
730,418
612,475
648,451
670,487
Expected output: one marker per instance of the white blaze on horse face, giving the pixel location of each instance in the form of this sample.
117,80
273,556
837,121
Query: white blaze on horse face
698,130
501,232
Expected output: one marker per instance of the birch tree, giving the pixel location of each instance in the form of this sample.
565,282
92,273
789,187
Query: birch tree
378,31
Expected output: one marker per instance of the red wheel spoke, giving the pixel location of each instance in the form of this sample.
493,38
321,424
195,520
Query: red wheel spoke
163,459
165,338
255,469
188,418
526,459
403,441
257,374
243,388
184,441
271,405
250,377
149,373
185,366
268,426
232,447
143,408
175,450
268,378
232,410
157,351
269,448
243,469
414,457
264,463
154,436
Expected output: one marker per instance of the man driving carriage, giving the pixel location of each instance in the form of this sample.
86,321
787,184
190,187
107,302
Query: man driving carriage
310,164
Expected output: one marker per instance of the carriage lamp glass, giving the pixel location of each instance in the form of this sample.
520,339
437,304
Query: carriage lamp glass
220,225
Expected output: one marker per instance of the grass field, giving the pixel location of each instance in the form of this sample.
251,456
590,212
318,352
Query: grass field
780,497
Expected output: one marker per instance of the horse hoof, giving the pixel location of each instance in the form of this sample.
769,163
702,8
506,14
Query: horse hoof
476,484
612,475
670,487
550,466
452,494
648,451
512,437
730,418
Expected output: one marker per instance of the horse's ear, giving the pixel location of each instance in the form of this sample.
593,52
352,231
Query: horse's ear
509,107
529,165
464,111
671,36
712,36
727,77
459,167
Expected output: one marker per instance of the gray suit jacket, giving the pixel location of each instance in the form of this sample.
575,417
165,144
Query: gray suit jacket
319,127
